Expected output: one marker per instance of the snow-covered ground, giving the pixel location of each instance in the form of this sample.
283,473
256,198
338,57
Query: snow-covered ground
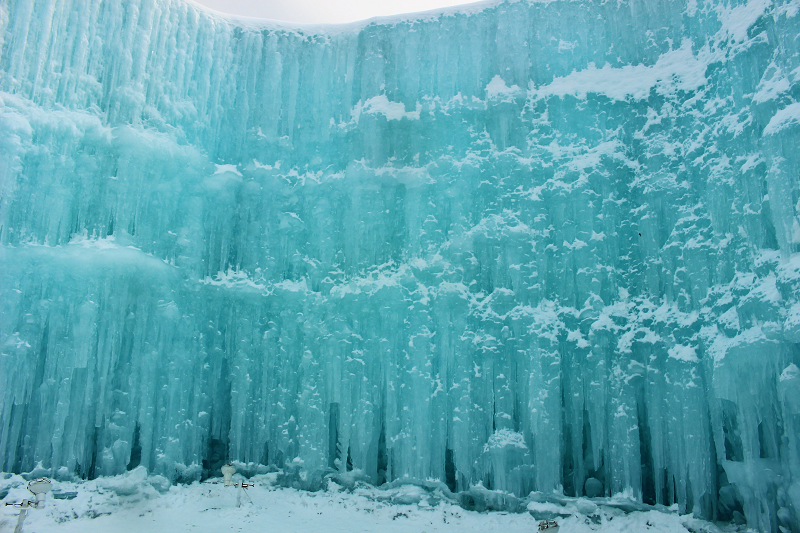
135,502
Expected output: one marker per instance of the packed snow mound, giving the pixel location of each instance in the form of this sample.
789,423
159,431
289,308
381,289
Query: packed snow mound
523,246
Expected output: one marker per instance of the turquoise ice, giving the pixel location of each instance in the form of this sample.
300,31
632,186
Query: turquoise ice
529,245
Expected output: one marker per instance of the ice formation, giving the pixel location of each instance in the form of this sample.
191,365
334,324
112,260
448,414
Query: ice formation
529,245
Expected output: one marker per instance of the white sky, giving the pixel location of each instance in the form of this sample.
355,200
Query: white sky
324,11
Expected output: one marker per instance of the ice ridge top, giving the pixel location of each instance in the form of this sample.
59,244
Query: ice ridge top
544,246
264,24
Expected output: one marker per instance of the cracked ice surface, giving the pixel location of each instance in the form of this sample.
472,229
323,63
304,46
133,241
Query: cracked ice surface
521,245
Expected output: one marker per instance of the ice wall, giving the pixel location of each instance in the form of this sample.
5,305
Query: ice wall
537,246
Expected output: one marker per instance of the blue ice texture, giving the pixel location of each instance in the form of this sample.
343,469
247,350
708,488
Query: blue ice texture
523,246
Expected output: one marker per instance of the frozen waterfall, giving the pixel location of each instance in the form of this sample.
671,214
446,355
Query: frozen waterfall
529,245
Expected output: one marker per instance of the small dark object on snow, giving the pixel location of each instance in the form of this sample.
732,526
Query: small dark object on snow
551,526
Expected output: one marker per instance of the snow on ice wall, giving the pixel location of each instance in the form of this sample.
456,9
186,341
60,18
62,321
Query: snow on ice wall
521,244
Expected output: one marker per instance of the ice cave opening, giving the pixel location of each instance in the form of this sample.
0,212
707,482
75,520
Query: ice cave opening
518,246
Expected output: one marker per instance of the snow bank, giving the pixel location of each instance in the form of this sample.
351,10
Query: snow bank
134,502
